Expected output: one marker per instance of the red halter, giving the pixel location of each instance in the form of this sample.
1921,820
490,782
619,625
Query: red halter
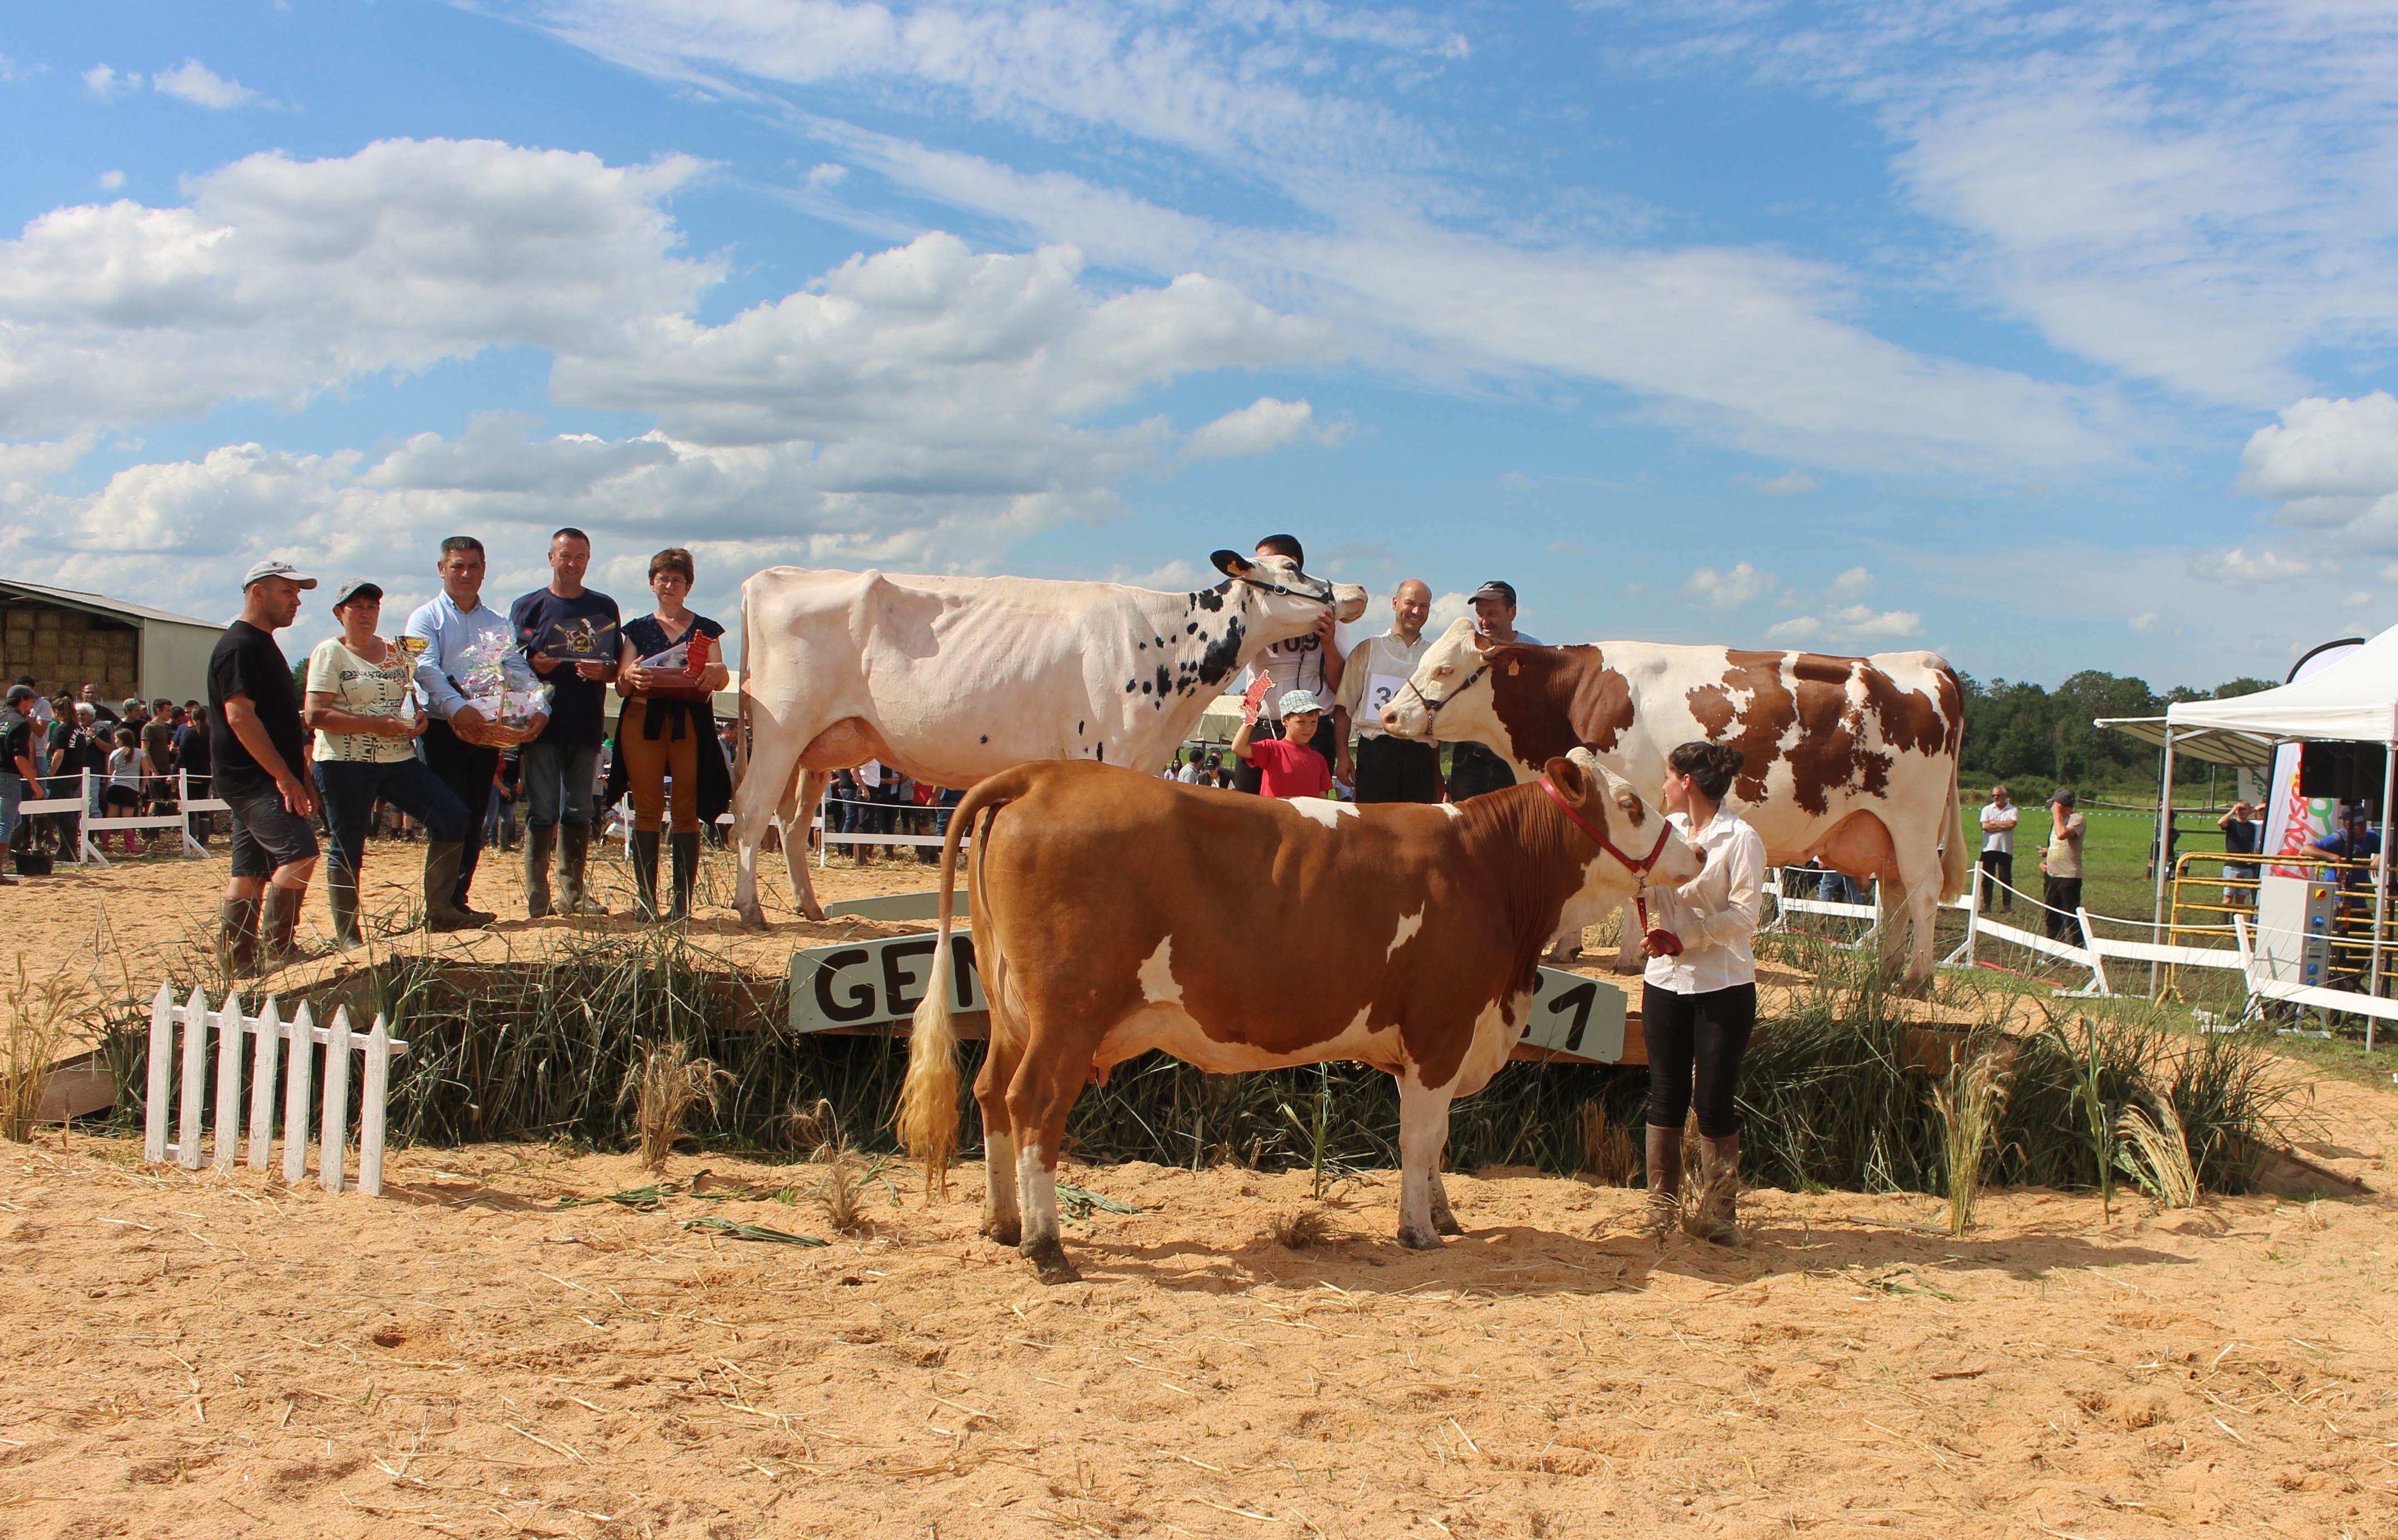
1638,868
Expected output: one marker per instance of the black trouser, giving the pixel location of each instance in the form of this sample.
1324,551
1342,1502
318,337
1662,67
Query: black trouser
1998,866
2063,897
1474,770
466,769
1696,1038
1397,770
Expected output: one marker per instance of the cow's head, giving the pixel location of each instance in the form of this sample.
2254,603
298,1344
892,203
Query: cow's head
1284,601
1629,843
1449,696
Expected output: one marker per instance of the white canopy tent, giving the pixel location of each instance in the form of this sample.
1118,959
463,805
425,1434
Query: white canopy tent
2350,697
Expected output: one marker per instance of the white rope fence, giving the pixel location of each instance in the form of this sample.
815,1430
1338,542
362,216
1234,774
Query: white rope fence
270,1039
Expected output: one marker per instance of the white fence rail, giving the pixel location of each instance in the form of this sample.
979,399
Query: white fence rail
88,823
267,1039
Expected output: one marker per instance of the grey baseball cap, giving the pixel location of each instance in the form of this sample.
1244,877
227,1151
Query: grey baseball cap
271,568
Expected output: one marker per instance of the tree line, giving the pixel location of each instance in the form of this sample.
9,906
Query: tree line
2018,730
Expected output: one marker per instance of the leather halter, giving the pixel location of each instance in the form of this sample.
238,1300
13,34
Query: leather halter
1638,868
1432,707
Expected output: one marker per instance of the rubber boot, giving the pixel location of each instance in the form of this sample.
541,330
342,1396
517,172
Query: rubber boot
685,849
278,925
538,845
441,859
1665,1184
342,893
645,874
1715,1216
573,856
238,937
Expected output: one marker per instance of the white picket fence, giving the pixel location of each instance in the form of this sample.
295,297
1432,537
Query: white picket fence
274,1040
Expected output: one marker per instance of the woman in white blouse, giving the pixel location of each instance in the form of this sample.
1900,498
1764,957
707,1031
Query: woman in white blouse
1700,1003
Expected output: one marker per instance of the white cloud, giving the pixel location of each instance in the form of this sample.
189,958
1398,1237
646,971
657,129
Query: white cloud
2144,623
1728,590
1517,481
110,180
2357,600
2237,565
107,85
282,277
196,83
1447,611
2325,449
1790,481
1261,427
1852,584
1853,622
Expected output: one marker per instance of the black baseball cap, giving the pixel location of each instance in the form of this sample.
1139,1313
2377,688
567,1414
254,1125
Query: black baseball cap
1497,589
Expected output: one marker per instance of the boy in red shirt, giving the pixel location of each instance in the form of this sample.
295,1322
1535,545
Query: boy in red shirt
1286,766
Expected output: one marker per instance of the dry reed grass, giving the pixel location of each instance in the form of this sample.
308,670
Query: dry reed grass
1608,1152
672,1083
1302,1231
43,1016
1967,1100
2156,1154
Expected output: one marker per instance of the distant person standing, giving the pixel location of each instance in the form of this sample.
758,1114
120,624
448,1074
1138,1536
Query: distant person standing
2060,868
2243,834
1999,850
1314,662
1385,768
19,775
1473,768
570,634
259,751
462,748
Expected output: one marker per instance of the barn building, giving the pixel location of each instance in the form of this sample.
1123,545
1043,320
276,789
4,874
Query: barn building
66,639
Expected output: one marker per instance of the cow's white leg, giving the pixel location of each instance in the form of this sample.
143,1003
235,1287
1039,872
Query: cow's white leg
1423,1128
796,823
1444,1218
767,787
1001,1218
1627,946
1036,1181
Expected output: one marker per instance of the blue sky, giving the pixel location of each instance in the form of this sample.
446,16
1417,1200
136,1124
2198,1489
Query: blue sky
2052,336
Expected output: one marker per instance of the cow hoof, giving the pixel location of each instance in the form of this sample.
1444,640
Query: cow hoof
1626,969
1446,1224
1049,1262
1420,1240
1560,955
1006,1232
753,919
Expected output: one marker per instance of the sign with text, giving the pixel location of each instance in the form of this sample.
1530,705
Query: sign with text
870,983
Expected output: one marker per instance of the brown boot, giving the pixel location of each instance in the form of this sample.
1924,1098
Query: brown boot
1665,1184
441,913
1715,1216
538,845
237,938
278,922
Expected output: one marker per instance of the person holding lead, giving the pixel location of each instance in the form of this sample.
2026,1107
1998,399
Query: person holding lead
460,631
1698,1005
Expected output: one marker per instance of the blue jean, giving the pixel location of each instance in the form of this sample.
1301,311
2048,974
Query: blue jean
350,789
557,780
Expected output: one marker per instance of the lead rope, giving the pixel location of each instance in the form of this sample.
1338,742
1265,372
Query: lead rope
1638,868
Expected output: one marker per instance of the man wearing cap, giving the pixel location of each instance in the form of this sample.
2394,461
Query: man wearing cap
18,735
560,627
462,748
1288,766
1386,769
258,751
2060,868
1312,663
1474,769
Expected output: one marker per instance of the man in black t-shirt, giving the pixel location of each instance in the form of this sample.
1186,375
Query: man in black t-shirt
258,749
570,634
19,775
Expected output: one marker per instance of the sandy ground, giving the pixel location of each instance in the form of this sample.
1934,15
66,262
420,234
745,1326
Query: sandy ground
197,1355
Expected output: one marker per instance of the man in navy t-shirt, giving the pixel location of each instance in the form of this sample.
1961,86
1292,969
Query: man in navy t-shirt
569,634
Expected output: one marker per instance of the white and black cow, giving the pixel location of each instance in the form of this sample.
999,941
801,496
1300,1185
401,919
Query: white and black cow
953,678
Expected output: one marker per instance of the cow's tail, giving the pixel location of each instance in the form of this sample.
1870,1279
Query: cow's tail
927,1119
1956,867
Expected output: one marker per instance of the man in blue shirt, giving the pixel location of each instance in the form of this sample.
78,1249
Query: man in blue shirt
2356,841
569,633
461,746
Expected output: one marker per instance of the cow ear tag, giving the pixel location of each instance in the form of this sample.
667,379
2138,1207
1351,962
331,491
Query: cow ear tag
1515,667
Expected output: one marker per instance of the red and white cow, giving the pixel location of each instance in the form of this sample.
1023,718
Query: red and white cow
1115,913
1852,759
950,679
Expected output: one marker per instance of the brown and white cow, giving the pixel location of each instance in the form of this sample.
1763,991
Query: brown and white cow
953,678
1115,913
1852,759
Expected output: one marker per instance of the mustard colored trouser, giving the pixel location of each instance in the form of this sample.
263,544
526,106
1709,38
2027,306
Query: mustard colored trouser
648,761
